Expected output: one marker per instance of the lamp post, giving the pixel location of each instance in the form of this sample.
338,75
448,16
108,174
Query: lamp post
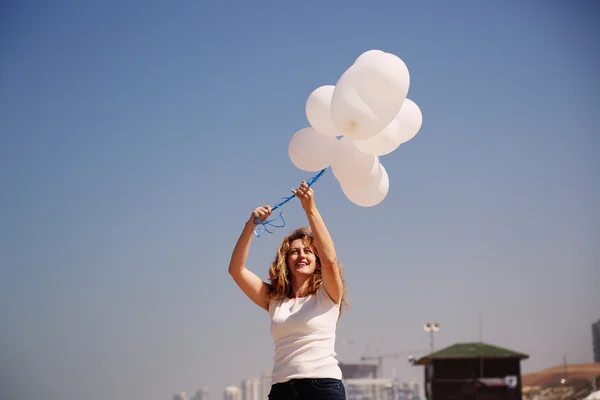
431,327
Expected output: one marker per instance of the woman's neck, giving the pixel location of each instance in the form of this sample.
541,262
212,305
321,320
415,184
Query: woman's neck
300,287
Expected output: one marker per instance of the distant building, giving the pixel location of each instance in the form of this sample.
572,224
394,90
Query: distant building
180,396
361,382
265,385
380,389
368,388
232,393
596,340
251,389
201,394
358,371
471,371
411,388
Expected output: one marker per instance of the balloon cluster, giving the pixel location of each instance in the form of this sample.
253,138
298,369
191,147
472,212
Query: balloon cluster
366,115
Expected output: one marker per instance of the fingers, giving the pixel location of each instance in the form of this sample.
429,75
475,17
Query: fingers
262,213
304,191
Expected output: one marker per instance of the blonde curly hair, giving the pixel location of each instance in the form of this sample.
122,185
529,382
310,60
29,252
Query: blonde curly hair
279,275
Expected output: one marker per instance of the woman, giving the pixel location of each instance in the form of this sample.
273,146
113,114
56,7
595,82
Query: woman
304,301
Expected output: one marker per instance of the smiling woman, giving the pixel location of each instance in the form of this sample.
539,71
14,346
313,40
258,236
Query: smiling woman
304,299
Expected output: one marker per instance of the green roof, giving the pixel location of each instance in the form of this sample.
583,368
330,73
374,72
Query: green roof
471,350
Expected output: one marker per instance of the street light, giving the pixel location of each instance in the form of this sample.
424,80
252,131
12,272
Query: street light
431,327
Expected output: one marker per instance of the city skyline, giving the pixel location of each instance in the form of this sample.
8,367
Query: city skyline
264,381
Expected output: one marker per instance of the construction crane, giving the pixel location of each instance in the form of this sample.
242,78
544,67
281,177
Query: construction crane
393,355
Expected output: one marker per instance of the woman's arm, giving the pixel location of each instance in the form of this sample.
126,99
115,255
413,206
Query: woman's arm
249,282
332,280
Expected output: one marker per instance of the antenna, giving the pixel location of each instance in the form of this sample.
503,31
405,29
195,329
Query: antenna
566,376
481,346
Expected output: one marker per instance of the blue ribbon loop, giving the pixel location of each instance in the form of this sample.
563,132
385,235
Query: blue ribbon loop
263,226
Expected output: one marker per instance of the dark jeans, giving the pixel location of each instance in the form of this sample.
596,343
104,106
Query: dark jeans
309,389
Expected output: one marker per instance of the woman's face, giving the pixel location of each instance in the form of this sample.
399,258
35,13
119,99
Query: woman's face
301,259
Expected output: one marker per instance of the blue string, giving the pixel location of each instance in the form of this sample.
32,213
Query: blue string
262,226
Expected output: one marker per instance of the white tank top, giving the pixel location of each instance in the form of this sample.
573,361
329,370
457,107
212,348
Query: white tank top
303,330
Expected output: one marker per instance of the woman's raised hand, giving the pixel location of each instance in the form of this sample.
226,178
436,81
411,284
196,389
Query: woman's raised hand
260,213
306,195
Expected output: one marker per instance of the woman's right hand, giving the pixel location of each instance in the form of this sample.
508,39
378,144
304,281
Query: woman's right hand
260,213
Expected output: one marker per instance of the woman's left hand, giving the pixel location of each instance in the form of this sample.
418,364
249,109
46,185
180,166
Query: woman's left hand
306,196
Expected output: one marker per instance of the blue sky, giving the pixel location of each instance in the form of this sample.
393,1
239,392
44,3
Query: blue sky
135,139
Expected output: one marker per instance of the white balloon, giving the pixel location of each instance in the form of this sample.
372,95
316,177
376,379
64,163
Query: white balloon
310,150
369,56
368,96
349,112
372,193
410,120
353,167
402,128
318,106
